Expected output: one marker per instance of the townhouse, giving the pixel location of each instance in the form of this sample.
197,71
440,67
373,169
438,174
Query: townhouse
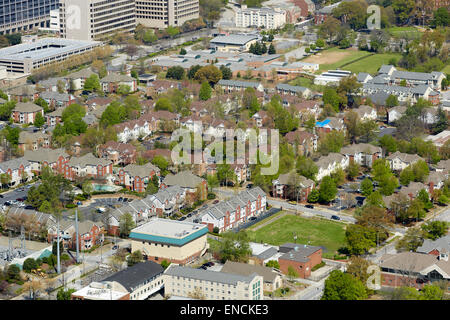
403,94
366,113
90,233
211,285
363,154
24,92
305,109
56,99
56,159
132,130
136,178
87,166
413,189
283,88
117,152
283,186
18,170
399,161
33,140
329,124
55,117
111,82
233,85
330,163
396,113
305,141
34,222
156,119
77,79
435,247
435,180
25,112
192,184
229,213
432,79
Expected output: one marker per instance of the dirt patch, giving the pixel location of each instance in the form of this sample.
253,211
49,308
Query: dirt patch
328,57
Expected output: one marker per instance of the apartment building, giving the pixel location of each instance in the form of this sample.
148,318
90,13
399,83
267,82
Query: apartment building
163,13
267,18
96,19
19,15
185,282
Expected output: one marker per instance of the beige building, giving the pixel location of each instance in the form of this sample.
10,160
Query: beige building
96,19
266,18
163,13
211,285
179,242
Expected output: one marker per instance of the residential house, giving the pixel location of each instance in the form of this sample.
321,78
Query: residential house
76,79
52,84
399,161
25,112
435,180
132,130
413,189
24,92
403,94
18,170
55,117
306,142
33,140
260,118
188,181
396,113
286,182
56,99
443,166
56,159
303,92
363,154
156,119
429,116
117,152
435,247
233,85
271,279
87,166
330,163
111,82
136,178
302,258
439,139
330,123
307,108
366,113
414,269
90,233
230,213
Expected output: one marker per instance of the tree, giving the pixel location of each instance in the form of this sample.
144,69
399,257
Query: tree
412,239
92,83
63,294
163,104
74,110
39,120
225,174
343,286
330,96
134,257
353,170
435,229
366,187
205,91
176,72
161,163
153,186
329,28
13,273
425,199
360,239
183,51
208,73
6,110
271,49
123,89
172,31
431,292
165,264
403,9
338,177
388,143
327,190
331,142
441,17
226,72
29,264
314,196
234,247
193,70
126,224
391,101
292,273
375,199
357,267
273,264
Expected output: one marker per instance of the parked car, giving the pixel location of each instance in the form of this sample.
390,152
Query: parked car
120,199
309,206
216,201
249,186
115,247
334,217
252,218
182,218
189,215
1,196
196,220
29,207
125,199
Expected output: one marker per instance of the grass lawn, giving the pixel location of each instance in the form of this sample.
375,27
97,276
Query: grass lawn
446,69
319,232
371,64
338,57
401,31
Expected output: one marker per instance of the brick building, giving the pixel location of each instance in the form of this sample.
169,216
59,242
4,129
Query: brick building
25,112
136,178
301,257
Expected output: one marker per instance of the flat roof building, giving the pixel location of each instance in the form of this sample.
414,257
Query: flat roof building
233,43
164,13
211,285
175,241
267,18
102,291
98,19
24,58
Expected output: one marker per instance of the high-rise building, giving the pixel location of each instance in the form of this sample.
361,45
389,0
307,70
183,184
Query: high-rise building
164,13
21,15
260,17
96,19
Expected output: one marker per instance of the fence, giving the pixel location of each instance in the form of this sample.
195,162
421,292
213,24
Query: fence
262,216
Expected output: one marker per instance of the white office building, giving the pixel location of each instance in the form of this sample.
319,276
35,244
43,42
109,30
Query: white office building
260,17
164,13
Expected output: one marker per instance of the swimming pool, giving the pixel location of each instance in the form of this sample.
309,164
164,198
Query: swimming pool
105,187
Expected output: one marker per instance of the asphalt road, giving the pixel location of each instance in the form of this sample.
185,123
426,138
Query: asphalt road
16,193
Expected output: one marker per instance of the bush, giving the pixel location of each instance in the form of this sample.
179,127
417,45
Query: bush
65,257
216,230
318,266
71,205
211,196
29,264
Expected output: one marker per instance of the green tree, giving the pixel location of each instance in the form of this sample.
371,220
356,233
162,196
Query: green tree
388,143
353,170
29,264
193,70
226,72
360,239
292,273
13,273
183,51
126,224
63,294
134,258
74,110
425,199
375,199
366,187
39,120
330,96
327,190
431,292
441,18
435,229
165,264
412,239
391,101
343,286
331,142
123,89
273,264
163,104
92,83
225,174
271,49
176,72
161,163
313,196
208,73
234,247
205,91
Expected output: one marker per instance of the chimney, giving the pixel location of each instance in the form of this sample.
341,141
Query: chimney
443,256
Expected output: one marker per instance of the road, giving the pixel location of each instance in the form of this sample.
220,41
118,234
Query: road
444,216
16,193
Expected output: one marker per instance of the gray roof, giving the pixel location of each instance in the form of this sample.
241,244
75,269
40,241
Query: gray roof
136,275
441,244
84,73
235,83
362,76
140,171
325,161
14,164
287,87
245,269
360,148
115,77
267,253
27,107
405,157
206,275
297,252
55,96
385,68
185,179
88,159
41,155
25,136
408,75
239,40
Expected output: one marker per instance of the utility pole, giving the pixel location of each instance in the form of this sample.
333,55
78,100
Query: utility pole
57,248
76,230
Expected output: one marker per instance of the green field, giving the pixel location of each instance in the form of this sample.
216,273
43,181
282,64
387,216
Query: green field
355,54
371,64
446,70
319,232
401,31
